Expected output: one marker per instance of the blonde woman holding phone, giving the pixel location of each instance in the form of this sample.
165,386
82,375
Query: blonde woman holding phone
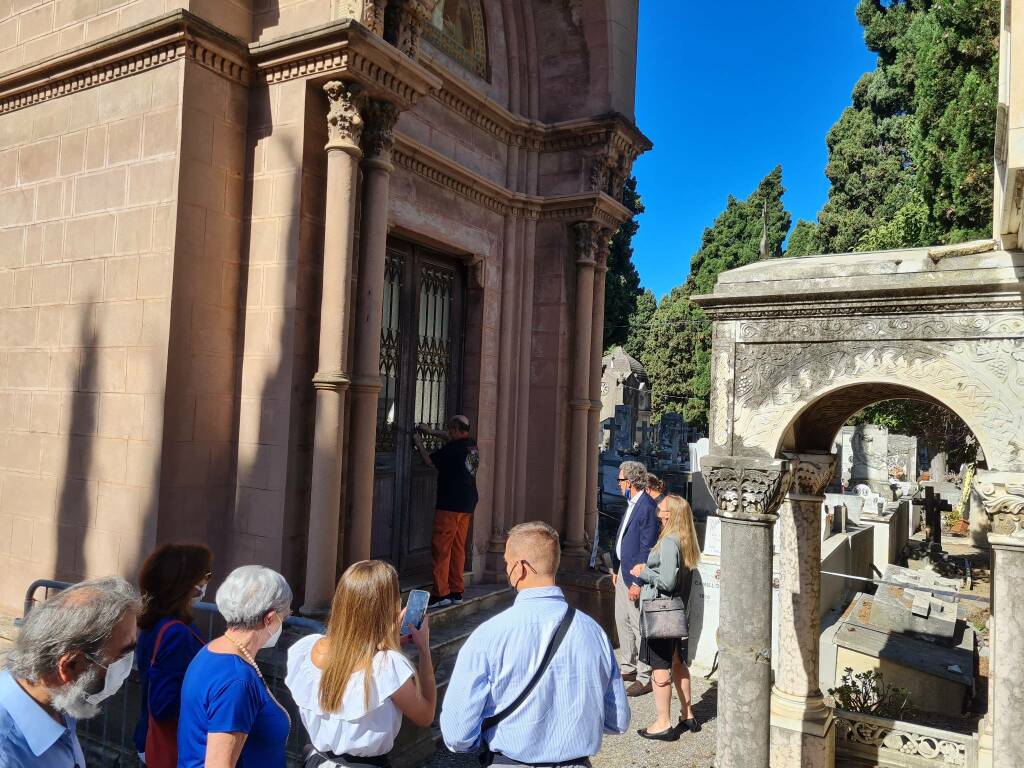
667,574
353,685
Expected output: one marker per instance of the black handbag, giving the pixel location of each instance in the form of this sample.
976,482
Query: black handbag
664,618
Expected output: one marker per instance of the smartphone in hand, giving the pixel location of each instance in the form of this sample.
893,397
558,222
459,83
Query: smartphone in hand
415,609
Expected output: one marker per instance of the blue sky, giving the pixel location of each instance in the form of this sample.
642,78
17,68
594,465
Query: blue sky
726,91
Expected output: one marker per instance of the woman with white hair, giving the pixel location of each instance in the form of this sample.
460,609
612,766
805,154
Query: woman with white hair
229,717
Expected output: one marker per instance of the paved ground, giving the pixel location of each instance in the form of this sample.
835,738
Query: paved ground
693,750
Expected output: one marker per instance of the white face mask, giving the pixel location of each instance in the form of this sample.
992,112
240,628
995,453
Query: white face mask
202,593
272,640
117,673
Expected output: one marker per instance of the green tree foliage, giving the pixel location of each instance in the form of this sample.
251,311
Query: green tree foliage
640,323
677,351
803,240
622,281
910,160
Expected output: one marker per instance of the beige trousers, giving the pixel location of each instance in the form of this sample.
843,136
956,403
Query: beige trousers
627,626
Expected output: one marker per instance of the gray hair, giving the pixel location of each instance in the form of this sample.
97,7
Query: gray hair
249,593
80,618
635,474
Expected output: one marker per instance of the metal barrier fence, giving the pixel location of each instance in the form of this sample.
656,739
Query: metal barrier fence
108,739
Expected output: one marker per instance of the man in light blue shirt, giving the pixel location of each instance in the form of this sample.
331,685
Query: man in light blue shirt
579,697
73,652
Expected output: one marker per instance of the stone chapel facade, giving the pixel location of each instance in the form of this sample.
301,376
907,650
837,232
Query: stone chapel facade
246,245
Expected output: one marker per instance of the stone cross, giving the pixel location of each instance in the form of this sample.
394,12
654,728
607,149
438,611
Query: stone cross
612,427
934,506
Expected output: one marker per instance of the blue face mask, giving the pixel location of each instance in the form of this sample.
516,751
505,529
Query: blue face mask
626,493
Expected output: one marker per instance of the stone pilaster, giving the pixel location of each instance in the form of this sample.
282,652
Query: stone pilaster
1002,494
747,493
802,735
594,417
377,142
587,237
344,128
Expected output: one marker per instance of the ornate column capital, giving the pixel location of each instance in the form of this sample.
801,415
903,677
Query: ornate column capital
1002,494
378,136
811,472
604,246
747,488
587,241
344,121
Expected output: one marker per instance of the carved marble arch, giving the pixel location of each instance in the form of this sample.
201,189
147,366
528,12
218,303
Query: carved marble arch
818,422
457,28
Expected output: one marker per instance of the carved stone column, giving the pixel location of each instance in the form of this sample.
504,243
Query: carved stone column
747,493
587,238
802,735
1002,494
378,139
344,126
594,417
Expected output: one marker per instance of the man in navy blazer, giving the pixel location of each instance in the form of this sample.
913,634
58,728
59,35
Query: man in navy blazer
634,540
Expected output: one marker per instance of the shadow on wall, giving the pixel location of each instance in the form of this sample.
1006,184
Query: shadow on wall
76,508
278,295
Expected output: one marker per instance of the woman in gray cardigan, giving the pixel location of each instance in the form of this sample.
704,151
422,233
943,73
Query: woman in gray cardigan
667,574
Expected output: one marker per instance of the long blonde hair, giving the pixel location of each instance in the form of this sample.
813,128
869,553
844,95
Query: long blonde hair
364,621
680,524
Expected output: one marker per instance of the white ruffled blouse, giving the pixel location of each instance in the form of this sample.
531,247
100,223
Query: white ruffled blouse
358,728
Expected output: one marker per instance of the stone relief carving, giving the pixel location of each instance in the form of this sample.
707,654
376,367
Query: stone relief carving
902,740
720,406
898,327
812,472
344,121
609,169
373,16
1002,494
404,21
379,129
587,239
747,489
981,379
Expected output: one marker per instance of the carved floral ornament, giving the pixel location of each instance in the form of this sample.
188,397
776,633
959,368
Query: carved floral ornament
1002,494
379,130
587,241
811,472
344,121
747,489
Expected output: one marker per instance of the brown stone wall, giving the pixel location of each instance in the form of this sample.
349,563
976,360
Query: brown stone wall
274,18
197,489
550,374
34,30
280,311
87,190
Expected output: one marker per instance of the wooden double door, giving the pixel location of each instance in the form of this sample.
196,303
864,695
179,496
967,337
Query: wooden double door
423,322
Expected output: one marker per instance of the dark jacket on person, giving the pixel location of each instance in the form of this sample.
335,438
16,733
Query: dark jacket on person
639,537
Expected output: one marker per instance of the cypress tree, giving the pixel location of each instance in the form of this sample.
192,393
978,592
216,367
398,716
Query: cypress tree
677,351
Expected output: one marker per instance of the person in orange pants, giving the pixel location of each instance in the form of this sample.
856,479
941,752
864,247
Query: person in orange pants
456,463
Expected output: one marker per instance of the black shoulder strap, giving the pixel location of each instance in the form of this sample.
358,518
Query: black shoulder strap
556,641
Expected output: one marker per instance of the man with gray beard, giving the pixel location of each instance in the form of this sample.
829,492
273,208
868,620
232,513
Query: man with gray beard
74,650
